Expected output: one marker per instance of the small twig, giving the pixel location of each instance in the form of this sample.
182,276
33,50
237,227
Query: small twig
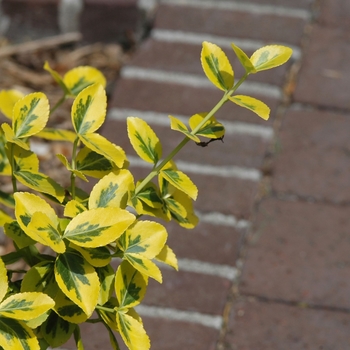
206,143
44,43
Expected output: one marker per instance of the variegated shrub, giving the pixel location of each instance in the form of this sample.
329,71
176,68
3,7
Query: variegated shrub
103,247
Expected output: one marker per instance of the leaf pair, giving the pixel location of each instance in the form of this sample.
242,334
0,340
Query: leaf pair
77,79
219,71
211,129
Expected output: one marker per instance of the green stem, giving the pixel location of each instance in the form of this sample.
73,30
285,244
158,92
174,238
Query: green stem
157,169
73,165
12,162
106,309
59,102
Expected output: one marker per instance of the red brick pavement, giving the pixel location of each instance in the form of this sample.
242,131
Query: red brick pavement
268,266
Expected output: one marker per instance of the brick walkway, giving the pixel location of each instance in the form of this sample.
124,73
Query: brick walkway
268,267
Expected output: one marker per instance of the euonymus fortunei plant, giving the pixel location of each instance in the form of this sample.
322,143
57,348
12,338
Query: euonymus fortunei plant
88,256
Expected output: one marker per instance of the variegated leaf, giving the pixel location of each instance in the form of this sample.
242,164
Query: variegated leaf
73,208
3,280
112,190
254,105
104,147
7,199
132,332
144,265
30,115
65,162
98,227
81,77
25,160
270,56
106,276
8,99
13,231
130,285
89,109
4,218
144,237
175,207
26,204
26,306
57,134
16,335
211,129
41,183
144,140
78,280
191,219
93,164
244,59
168,257
181,181
11,137
97,257
178,125
41,278
150,195
216,66
43,230
56,331
68,310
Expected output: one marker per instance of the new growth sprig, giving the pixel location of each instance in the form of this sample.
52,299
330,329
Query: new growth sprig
104,247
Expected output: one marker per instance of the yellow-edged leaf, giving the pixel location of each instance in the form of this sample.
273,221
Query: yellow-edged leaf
25,160
216,66
101,145
254,105
144,140
30,115
4,218
150,195
73,208
130,285
191,219
57,134
41,183
41,278
11,137
93,164
112,190
81,77
3,280
167,256
211,129
181,181
26,306
89,109
13,231
78,280
26,204
57,78
68,310
132,332
16,335
244,59
270,56
178,125
56,331
144,237
65,162
97,257
106,275
98,227
8,99
46,232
